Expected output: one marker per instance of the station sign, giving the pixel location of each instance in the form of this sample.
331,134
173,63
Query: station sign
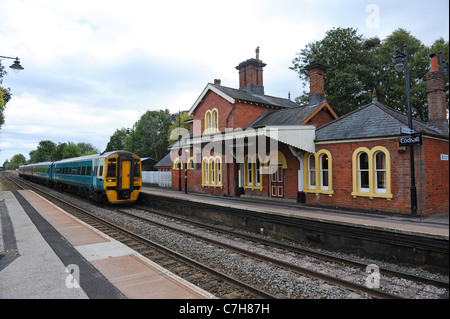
407,140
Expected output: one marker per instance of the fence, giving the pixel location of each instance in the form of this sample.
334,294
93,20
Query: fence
162,179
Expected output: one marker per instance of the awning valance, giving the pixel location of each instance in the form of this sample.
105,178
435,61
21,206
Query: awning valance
298,136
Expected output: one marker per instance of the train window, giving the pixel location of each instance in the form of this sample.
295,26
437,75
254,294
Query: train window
78,170
137,169
111,172
88,172
74,170
83,170
100,172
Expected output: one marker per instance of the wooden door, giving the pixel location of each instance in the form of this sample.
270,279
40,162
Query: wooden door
276,181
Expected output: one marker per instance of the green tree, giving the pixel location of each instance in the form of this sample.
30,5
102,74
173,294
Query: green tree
357,65
184,127
87,149
150,135
349,78
391,85
43,153
117,140
5,96
16,161
71,150
58,154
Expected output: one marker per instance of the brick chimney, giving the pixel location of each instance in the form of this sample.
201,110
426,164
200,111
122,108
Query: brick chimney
437,108
316,82
251,75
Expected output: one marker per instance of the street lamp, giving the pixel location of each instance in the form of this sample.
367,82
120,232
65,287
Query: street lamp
179,147
185,170
132,138
400,63
15,66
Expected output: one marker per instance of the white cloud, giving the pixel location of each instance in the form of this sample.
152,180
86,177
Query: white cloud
94,66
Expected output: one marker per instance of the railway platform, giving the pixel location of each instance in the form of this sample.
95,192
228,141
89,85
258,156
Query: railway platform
429,226
46,253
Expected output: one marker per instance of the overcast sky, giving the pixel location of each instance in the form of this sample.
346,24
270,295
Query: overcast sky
94,66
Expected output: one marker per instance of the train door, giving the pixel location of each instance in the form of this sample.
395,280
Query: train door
100,173
94,173
126,173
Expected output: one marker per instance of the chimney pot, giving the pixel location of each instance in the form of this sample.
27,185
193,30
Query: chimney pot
437,105
251,75
316,82
434,62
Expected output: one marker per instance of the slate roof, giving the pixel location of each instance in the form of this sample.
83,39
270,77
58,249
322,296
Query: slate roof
371,120
255,98
164,162
291,116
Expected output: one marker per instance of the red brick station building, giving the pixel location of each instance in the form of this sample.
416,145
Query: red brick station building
245,143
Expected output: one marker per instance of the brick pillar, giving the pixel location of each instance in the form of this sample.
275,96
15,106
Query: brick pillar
437,108
316,82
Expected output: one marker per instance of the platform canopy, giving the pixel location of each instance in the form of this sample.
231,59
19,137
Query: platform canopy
299,136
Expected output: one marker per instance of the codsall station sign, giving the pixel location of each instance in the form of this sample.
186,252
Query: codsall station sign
408,140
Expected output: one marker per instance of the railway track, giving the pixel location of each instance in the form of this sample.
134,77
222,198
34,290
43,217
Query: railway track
352,275
256,240
214,281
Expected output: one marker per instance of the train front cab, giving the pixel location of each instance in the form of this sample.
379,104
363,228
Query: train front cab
123,179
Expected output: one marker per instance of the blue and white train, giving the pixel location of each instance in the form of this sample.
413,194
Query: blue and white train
113,177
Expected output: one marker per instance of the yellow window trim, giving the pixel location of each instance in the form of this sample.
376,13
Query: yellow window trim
318,190
253,186
206,167
274,158
209,121
175,163
371,154
190,163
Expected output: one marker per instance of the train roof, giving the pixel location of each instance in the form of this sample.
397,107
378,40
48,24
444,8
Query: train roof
81,158
91,157
36,164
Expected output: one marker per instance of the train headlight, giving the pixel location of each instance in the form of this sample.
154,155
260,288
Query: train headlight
110,180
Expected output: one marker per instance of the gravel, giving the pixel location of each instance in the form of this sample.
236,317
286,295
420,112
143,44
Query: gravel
279,282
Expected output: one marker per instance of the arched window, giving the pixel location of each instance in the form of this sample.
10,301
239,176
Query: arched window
249,172
312,171
212,121
218,162
318,174
380,172
212,166
257,172
324,181
212,171
205,171
252,175
176,164
363,172
372,172
190,163
215,114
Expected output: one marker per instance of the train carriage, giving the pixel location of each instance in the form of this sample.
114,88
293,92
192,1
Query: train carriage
39,172
114,177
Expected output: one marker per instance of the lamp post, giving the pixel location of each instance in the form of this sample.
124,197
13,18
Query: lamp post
185,171
15,66
132,138
179,147
400,63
